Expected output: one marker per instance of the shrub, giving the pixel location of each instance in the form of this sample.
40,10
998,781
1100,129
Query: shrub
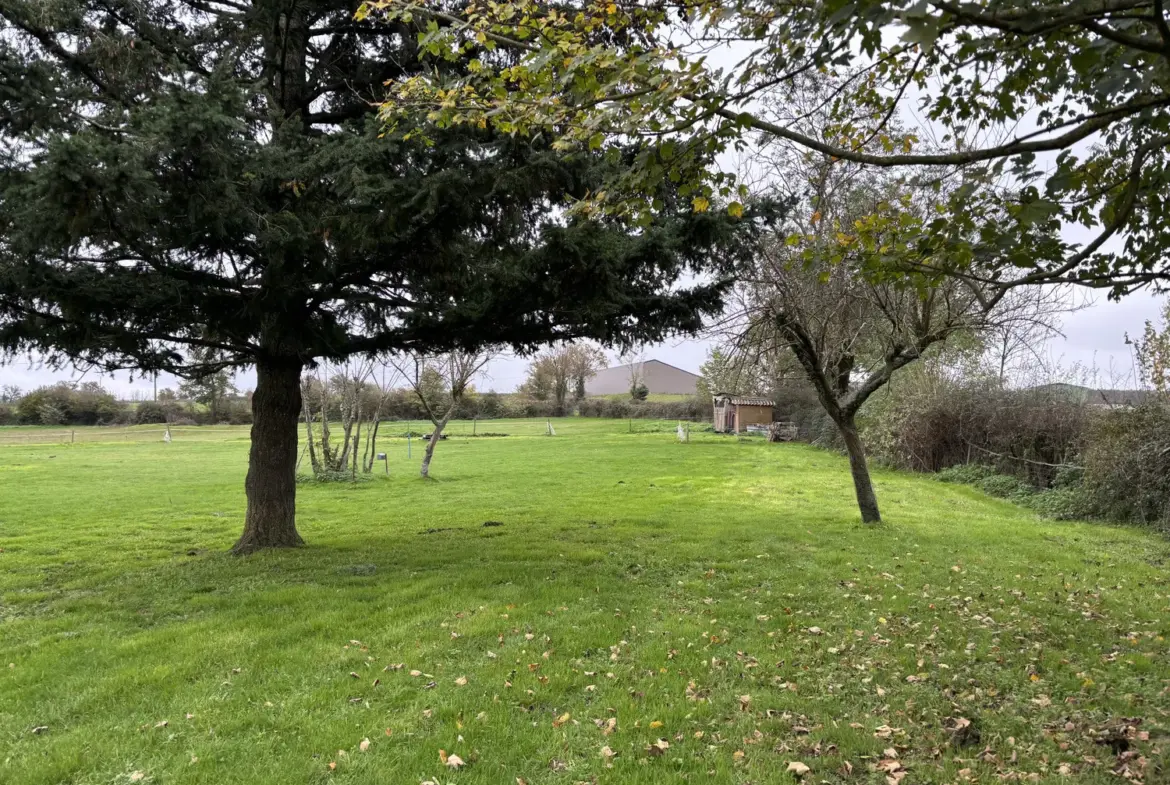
691,408
7,414
965,474
150,413
51,414
639,392
237,413
1063,504
929,425
491,405
1127,464
1005,487
62,403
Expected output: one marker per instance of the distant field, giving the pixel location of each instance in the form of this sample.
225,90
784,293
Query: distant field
638,611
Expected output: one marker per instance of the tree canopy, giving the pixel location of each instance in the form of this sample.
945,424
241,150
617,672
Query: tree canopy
195,185
1054,115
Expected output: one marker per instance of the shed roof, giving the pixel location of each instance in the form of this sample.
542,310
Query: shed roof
744,400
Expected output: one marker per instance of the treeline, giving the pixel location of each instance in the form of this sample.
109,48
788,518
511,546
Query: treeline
89,403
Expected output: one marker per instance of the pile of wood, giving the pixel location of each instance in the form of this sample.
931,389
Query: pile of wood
782,432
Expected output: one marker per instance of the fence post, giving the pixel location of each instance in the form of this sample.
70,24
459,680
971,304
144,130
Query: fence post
72,436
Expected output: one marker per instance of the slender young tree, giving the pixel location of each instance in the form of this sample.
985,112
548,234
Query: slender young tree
440,382
212,175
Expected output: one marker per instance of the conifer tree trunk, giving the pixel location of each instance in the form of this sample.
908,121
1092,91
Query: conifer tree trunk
859,467
271,488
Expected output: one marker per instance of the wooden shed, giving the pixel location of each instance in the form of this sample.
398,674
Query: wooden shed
734,413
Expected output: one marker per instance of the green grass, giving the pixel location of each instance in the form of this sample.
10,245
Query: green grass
633,578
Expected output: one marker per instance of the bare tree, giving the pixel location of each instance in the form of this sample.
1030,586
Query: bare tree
636,362
382,380
454,371
341,391
559,370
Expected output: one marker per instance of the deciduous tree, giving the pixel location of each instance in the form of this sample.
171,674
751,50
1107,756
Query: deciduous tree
1054,114
440,382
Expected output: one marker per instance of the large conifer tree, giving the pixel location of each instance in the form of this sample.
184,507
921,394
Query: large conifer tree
193,179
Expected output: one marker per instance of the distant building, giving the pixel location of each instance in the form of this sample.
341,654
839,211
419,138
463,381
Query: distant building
1111,399
656,375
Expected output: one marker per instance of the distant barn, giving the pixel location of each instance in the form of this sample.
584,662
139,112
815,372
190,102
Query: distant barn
659,378
734,413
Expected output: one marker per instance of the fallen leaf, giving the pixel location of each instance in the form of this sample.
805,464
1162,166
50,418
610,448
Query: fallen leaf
561,720
745,702
461,681
161,724
416,674
797,768
137,776
655,724
365,745
658,748
815,631
737,756
454,762
608,753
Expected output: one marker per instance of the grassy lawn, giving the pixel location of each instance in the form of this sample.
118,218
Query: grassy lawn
647,612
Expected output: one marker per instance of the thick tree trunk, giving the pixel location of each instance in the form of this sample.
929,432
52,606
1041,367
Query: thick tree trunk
859,467
425,469
271,483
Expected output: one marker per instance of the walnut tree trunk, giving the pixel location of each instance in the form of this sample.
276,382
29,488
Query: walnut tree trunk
271,488
859,467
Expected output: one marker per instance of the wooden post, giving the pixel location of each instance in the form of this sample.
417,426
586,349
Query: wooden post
474,421
72,436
